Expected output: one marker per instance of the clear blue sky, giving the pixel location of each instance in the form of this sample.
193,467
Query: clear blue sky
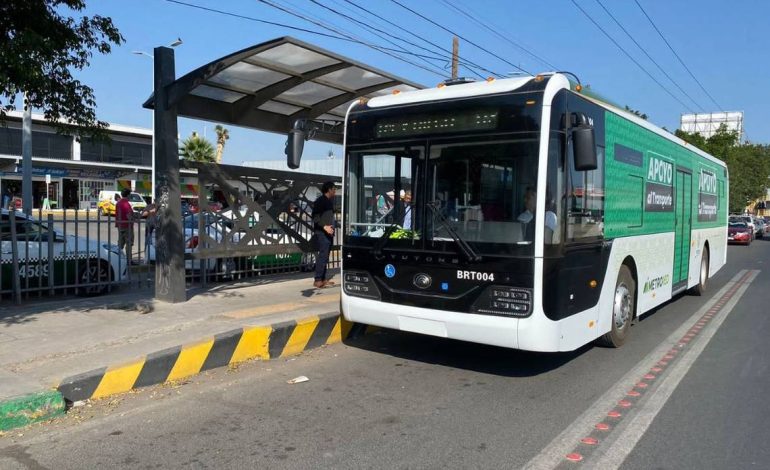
724,44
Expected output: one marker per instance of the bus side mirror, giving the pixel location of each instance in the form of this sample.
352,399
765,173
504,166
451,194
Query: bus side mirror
294,146
584,146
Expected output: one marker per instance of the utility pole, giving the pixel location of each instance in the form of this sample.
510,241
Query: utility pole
26,156
455,52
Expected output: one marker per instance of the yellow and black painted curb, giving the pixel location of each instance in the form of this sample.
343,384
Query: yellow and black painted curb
252,342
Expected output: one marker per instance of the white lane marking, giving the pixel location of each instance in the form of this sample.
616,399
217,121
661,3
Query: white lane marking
553,454
614,455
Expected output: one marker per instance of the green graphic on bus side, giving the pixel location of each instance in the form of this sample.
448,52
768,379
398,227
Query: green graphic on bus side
628,181
707,196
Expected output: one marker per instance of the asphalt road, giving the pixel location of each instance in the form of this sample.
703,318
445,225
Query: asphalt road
397,400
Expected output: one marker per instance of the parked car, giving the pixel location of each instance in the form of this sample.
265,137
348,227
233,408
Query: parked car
76,260
15,203
108,199
738,231
221,226
749,221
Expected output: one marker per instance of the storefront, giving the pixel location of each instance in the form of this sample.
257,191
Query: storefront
69,188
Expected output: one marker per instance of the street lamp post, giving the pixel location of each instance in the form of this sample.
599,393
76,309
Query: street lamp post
176,43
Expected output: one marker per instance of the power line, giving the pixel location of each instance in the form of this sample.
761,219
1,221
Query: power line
497,33
331,26
446,57
250,18
462,61
677,56
648,55
372,46
459,36
629,55
282,25
378,32
373,30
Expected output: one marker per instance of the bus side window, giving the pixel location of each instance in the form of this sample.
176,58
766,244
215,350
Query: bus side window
585,189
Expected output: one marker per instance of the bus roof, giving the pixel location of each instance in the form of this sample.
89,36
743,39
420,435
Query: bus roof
495,86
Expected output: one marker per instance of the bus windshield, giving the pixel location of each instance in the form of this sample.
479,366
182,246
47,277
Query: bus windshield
478,194
486,191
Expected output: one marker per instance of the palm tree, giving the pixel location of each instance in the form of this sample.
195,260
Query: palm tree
197,149
222,136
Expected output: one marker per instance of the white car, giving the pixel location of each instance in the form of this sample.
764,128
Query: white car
191,241
76,260
220,227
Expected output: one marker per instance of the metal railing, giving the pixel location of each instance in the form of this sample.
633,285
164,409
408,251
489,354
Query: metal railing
66,252
275,252
261,226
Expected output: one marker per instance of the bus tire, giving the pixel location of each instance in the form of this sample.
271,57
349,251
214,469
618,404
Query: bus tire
703,274
623,309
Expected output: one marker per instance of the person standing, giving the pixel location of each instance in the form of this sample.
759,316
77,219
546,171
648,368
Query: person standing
323,231
7,198
528,216
407,199
124,222
150,215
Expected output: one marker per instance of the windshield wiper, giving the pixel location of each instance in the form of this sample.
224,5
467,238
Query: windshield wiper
467,250
377,248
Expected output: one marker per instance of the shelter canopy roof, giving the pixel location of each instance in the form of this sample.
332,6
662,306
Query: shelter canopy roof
271,85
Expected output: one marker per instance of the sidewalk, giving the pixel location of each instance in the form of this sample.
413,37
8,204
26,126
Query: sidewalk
69,343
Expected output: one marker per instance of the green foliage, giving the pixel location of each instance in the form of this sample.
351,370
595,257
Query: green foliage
405,234
637,112
39,49
223,135
197,149
748,164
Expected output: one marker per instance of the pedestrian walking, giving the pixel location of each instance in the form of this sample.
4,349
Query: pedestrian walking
323,231
124,222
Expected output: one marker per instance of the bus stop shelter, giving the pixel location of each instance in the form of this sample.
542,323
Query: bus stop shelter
272,86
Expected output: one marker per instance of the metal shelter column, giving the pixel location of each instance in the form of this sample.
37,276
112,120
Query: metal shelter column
169,235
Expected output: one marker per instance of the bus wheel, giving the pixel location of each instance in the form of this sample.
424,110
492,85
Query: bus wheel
703,275
622,309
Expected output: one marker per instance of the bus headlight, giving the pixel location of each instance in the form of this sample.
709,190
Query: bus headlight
504,300
360,284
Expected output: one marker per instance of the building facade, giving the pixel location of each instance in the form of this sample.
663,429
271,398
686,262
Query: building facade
70,172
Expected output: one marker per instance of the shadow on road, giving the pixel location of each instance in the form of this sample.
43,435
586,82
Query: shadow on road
462,355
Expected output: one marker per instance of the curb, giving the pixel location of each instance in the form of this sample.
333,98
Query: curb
27,409
238,345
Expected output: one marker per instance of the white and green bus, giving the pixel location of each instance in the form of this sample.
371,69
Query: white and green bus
540,218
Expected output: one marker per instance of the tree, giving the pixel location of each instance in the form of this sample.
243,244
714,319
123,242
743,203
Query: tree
39,49
636,112
197,149
748,164
222,136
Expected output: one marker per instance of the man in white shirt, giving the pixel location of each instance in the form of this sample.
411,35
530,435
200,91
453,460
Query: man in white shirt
530,204
407,198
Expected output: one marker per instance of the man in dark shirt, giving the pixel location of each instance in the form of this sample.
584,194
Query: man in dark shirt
323,228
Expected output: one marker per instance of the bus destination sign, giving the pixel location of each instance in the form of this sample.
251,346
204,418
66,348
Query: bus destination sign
463,121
